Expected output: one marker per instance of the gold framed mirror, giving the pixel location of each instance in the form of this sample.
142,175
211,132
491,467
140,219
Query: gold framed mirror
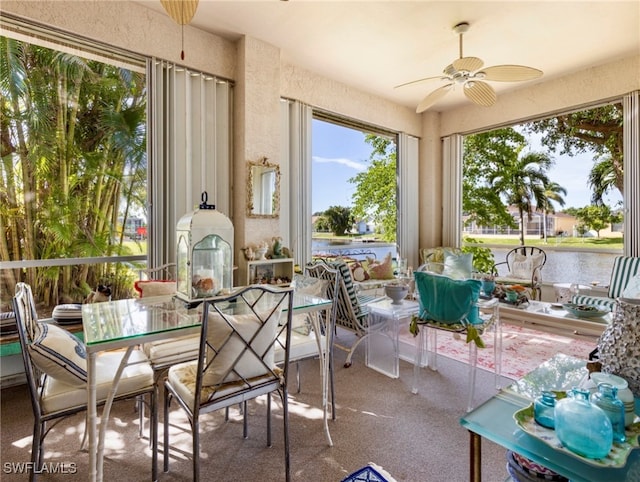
263,189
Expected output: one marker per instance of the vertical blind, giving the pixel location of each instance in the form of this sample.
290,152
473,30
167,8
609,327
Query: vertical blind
296,126
452,190
631,153
408,199
190,119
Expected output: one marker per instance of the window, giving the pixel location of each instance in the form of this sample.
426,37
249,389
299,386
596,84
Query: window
565,193
297,120
92,187
368,207
74,170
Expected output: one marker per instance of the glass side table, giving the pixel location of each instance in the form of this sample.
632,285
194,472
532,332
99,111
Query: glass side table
493,420
382,342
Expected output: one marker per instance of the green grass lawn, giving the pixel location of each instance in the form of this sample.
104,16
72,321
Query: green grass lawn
513,240
568,242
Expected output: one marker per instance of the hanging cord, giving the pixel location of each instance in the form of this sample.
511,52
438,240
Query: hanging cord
182,29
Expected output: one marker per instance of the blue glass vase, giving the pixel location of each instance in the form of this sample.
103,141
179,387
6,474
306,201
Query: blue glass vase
583,427
488,286
607,399
544,408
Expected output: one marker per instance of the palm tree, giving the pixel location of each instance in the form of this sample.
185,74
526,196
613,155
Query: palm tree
604,177
73,144
553,193
523,184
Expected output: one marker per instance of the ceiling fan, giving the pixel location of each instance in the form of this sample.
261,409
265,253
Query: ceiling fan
468,72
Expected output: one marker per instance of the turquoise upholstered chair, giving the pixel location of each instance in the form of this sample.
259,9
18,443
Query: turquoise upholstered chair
453,305
624,269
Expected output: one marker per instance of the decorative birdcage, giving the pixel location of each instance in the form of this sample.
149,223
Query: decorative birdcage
204,258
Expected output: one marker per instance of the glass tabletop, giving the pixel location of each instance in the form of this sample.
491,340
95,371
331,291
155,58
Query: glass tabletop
493,420
386,306
117,322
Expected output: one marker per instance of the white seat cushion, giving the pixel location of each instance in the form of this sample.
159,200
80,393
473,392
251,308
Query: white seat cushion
301,346
182,378
138,375
172,350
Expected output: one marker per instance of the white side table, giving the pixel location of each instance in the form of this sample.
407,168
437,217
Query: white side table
563,291
382,342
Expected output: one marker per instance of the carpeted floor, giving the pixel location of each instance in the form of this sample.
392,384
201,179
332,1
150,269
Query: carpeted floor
416,438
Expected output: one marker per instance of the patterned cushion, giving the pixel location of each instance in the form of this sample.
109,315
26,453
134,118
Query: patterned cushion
348,283
359,271
601,302
310,285
370,473
59,354
380,270
227,347
624,268
307,285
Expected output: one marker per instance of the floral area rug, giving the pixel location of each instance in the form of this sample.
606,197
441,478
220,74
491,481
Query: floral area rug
523,349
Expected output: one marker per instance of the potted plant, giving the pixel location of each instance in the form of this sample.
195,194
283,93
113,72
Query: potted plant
488,283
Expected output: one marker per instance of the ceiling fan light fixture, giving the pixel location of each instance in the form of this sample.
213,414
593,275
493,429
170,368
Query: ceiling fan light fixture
180,11
466,71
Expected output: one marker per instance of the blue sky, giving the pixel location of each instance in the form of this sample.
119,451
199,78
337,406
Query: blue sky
339,153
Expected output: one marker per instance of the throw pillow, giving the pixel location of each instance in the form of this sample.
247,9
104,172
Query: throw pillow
155,288
358,272
523,266
632,290
461,296
457,265
381,270
59,354
307,285
228,358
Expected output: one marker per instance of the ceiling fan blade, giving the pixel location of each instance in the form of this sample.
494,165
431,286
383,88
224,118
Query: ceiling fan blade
469,64
420,80
432,98
511,73
480,93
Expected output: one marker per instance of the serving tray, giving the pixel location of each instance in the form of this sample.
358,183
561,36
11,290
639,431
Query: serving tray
617,457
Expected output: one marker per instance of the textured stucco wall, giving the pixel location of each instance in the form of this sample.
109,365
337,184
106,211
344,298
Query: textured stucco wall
257,132
133,27
348,101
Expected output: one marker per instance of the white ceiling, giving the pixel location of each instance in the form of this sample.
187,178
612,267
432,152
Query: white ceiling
376,45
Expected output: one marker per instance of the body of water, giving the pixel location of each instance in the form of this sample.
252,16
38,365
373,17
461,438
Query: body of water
572,266
561,267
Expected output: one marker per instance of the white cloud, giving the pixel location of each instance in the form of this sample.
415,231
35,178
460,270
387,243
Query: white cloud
341,160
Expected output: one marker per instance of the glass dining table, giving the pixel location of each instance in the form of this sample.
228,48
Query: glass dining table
127,323
494,420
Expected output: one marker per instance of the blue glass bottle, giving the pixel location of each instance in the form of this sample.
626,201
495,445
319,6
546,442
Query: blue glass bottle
582,426
607,399
543,409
